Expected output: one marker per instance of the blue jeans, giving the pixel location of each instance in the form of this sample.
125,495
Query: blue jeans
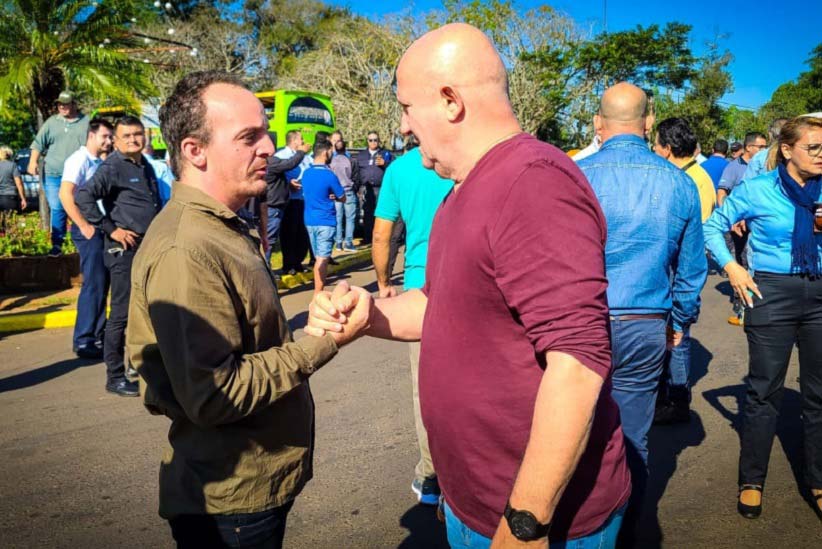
51,184
461,536
638,349
678,375
272,229
265,529
347,213
322,239
90,326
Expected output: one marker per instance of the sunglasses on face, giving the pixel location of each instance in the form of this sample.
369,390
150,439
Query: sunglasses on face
370,140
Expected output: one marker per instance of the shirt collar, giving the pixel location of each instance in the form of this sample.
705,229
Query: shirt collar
198,200
626,139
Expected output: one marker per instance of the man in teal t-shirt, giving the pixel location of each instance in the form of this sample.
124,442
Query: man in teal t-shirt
414,193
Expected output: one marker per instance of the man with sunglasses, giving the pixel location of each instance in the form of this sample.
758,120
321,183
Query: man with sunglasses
59,137
732,175
372,164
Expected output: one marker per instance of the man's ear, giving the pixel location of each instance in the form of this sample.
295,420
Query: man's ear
649,123
597,123
453,103
193,152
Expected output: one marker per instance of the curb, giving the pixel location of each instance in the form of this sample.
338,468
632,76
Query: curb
22,322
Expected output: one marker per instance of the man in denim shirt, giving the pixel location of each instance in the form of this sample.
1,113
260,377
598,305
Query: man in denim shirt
654,260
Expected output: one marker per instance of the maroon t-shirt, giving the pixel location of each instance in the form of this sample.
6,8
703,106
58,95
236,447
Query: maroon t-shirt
516,268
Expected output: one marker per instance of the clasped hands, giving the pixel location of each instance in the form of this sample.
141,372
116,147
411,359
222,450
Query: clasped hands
344,313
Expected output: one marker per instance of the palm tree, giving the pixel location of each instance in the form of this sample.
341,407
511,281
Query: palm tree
87,46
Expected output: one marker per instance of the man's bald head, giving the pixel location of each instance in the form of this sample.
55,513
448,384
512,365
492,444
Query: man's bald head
457,54
623,109
453,87
624,103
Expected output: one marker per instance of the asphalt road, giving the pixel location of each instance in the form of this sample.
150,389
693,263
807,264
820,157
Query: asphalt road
79,466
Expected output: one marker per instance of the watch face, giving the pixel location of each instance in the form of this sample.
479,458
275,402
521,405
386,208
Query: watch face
523,526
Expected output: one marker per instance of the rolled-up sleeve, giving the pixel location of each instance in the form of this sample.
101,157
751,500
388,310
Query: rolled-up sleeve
194,316
549,256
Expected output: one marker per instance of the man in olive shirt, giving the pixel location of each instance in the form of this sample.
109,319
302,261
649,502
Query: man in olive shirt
208,335
59,136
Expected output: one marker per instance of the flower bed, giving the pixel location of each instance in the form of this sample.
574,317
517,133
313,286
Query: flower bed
24,265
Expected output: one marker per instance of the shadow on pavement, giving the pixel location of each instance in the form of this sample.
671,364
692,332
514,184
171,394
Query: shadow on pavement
424,530
41,375
665,443
724,288
788,428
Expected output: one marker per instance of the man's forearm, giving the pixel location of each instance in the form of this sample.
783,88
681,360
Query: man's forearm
563,415
720,197
381,248
399,318
67,199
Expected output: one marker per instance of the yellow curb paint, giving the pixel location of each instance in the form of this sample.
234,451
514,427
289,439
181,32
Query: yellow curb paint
21,322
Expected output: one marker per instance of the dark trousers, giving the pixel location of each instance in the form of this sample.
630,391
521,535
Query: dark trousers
119,268
397,240
293,236
91,305
736,244
264,530
9,204
790,312
272,229
369,206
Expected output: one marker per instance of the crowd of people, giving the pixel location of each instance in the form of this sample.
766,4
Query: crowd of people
547,300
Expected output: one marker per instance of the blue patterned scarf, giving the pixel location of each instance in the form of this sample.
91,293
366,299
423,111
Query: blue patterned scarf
804,252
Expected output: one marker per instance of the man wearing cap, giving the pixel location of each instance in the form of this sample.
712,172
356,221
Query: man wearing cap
59,136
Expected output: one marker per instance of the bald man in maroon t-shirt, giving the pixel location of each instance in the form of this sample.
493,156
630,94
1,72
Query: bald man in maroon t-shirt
515,361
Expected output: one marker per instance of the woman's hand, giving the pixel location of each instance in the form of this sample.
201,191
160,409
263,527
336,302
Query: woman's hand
741,282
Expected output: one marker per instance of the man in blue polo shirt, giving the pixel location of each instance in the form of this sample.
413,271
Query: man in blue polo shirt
320,189
717,162
414,194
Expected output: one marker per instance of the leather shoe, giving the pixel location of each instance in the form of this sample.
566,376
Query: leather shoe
91,352
749,511
124,388
131,373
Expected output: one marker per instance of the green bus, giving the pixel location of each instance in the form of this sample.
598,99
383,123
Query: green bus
287,110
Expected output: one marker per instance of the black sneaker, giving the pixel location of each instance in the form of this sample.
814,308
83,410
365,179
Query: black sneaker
89,352
427,491
55,251
123,388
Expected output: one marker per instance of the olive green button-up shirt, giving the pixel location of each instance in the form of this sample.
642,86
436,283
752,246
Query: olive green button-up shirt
211,343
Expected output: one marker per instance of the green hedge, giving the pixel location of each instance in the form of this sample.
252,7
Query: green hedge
22,236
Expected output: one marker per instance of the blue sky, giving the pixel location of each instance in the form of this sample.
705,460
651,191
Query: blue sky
770,41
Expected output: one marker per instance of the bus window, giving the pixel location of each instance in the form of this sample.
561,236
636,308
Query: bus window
307,110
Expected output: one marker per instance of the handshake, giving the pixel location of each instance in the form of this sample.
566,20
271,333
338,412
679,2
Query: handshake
345,313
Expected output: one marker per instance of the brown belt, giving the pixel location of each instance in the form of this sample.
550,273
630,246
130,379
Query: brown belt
650,316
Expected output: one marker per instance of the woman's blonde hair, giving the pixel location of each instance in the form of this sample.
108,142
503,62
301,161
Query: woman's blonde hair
5,152
792,132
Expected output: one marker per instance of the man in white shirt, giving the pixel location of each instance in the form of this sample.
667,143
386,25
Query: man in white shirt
91,305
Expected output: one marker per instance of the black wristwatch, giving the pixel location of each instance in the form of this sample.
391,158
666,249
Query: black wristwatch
524,525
